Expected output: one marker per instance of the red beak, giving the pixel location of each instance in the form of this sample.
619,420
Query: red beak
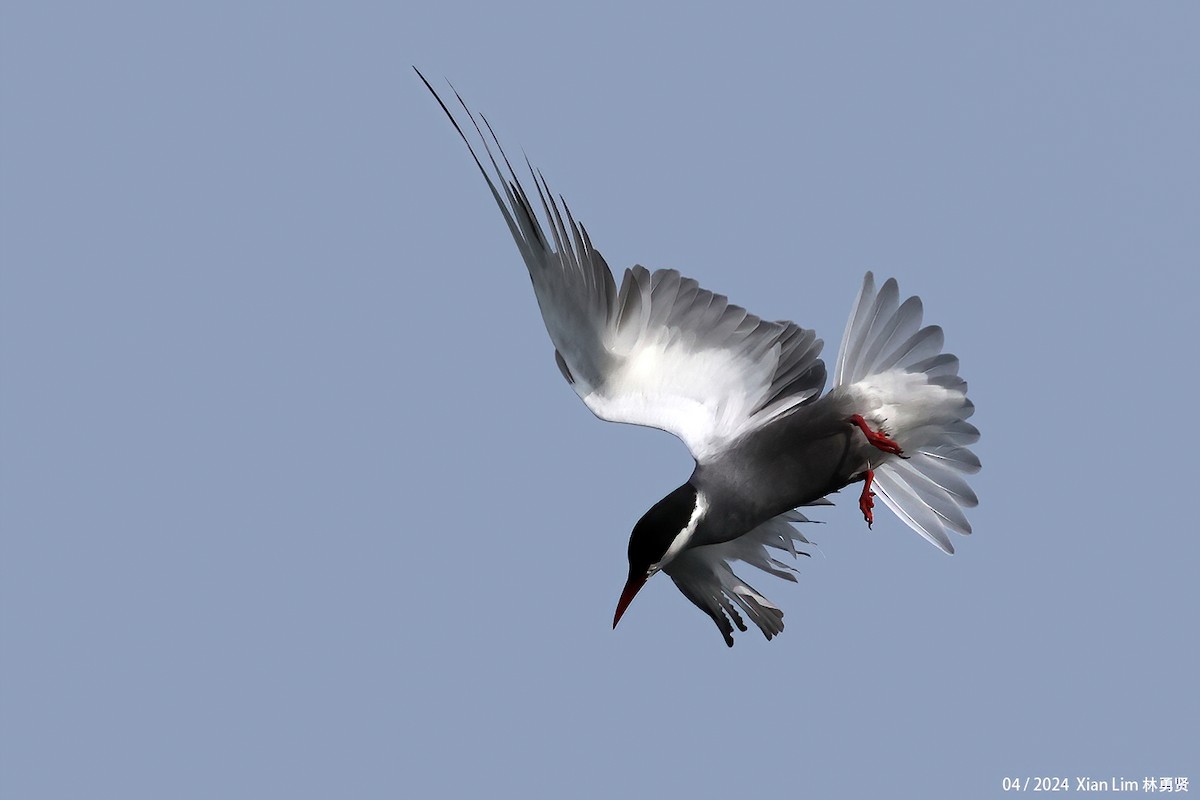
632,587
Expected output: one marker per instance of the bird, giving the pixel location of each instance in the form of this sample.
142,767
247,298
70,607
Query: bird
747,397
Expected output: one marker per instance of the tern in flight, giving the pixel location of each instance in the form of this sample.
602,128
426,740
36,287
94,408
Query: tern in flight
745,396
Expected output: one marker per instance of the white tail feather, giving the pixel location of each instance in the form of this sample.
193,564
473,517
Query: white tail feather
900,380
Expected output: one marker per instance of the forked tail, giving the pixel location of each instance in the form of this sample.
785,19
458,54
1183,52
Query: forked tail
897,377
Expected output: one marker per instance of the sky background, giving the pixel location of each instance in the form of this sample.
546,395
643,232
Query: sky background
295,503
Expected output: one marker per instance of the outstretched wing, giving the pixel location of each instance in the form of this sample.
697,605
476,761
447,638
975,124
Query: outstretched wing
705,577
661,351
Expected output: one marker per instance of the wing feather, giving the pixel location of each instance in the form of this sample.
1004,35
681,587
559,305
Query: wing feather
660,350
704,575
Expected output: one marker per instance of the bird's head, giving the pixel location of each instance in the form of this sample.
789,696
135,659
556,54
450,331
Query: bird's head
659,536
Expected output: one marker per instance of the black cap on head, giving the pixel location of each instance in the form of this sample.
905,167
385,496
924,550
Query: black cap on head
652,537
659,526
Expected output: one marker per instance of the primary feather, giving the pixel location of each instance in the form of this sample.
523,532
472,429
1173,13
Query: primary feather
661,351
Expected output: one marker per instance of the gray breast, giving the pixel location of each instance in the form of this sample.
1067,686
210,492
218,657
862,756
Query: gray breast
791,462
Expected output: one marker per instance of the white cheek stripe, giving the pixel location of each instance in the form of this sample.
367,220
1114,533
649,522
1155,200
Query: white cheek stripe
685,535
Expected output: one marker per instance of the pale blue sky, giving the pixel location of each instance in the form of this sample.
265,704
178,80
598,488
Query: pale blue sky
296,504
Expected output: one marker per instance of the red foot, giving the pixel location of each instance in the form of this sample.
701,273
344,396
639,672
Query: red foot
878,438
866,500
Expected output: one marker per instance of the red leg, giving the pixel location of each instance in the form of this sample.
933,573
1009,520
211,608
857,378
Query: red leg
866,500
878,438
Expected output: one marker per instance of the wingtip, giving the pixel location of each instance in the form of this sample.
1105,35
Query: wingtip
424,80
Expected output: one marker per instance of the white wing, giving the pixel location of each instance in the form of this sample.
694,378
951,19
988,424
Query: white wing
705,577
662,351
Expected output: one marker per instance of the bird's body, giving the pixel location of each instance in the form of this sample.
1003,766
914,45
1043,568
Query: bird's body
793,462
745,396
796,461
